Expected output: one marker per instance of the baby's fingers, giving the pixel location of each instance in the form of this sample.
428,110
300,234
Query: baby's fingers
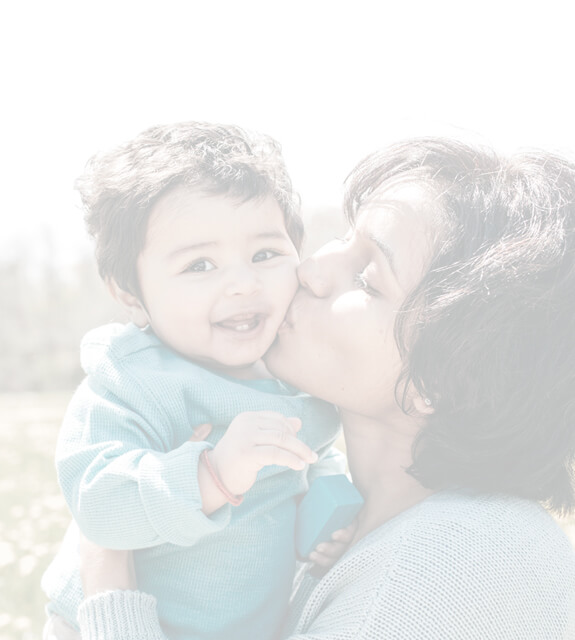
345,536
283,457
272,420
326,554
285,440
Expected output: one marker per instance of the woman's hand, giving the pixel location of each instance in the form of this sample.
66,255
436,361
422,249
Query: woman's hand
105,569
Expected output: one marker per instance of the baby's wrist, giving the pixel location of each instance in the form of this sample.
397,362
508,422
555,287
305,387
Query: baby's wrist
210,464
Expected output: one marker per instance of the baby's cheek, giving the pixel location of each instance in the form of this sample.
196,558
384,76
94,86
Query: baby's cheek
287,285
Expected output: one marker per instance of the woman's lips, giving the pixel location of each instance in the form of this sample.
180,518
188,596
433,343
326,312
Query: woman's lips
292,312
285,325
289,320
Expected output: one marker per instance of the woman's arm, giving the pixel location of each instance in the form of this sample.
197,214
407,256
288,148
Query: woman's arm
114,609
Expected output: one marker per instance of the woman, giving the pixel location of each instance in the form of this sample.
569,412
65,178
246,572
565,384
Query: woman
442,327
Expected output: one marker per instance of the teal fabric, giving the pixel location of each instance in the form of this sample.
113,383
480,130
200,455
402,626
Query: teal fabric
457,566
129,476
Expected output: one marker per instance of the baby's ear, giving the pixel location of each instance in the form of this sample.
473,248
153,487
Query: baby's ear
136,310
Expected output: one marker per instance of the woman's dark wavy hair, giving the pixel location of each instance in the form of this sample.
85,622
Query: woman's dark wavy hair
489,333
119,188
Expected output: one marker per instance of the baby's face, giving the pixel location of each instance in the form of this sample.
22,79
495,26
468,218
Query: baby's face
217,277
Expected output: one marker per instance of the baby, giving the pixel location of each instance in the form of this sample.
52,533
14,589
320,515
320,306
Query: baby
197,235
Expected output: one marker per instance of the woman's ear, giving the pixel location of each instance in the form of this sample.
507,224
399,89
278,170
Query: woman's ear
424,406
135,309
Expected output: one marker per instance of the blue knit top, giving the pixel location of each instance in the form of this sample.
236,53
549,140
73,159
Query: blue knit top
129,476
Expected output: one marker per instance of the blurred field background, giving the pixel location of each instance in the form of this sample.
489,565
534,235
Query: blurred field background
45,311
34,515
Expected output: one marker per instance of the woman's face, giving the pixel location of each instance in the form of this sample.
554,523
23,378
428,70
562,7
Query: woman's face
337,341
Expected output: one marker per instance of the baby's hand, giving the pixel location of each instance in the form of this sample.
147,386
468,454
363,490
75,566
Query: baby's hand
255,440
326,554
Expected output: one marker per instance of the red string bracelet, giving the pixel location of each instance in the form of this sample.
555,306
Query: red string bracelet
230,497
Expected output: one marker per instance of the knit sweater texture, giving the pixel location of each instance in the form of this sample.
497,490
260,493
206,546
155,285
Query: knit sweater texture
457,566
129,475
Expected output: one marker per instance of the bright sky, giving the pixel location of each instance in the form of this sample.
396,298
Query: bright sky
331,80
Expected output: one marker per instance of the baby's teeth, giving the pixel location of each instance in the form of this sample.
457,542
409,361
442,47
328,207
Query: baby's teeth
243,327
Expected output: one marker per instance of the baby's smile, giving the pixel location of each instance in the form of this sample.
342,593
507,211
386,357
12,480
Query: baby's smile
242,323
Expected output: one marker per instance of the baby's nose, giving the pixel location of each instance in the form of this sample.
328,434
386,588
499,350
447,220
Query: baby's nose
243,280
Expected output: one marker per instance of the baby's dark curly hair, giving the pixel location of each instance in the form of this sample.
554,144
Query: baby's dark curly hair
119,188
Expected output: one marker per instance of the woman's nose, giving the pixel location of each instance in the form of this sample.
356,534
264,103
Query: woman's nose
314,275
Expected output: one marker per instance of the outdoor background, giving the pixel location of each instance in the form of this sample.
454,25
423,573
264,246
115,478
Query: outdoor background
331,80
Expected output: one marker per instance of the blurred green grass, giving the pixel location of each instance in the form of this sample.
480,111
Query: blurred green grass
33,513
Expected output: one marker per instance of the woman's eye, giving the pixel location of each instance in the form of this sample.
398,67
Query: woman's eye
266,254
361,282
344,239
200,266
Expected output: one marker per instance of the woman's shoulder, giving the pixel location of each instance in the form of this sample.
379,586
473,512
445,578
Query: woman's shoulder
475,565
482,522
473,507
494,513
476,549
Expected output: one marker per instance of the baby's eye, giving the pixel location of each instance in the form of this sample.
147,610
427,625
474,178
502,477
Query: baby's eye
200,266
361,282
266,254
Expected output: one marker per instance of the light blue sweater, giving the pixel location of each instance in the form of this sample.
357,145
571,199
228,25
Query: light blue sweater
129,476
457,566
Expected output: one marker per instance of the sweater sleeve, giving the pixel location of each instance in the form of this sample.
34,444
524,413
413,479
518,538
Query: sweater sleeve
124,489
120,615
